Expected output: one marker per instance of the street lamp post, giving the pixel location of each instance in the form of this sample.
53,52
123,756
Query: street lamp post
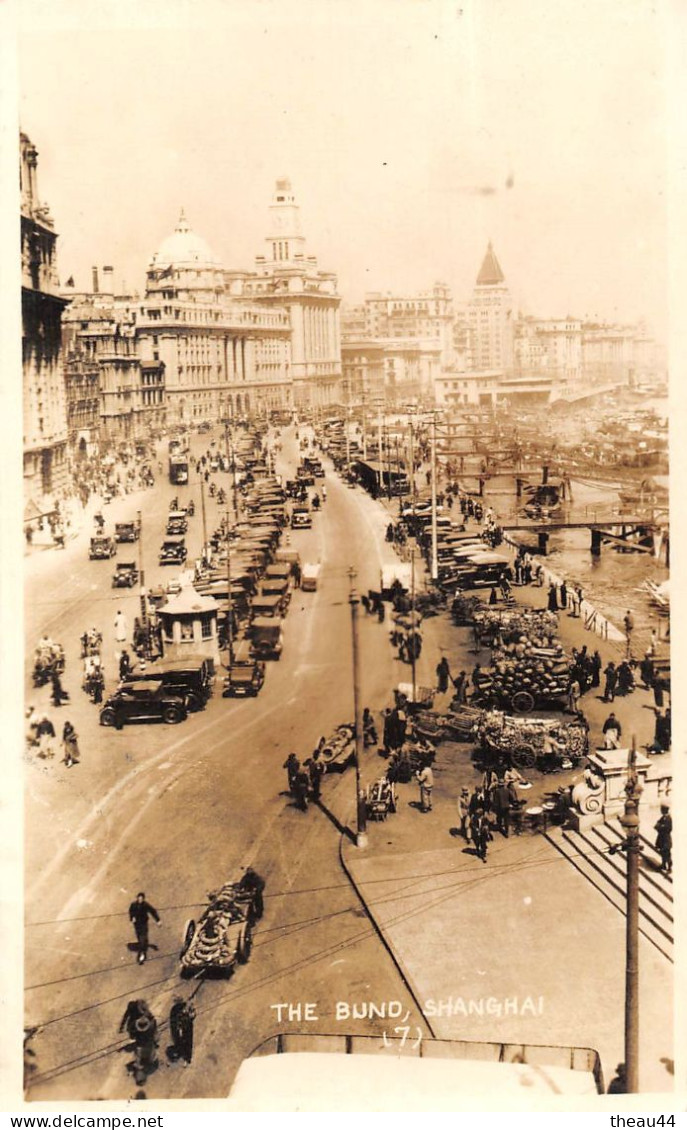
205,523
142,578
632,847
230,625
361,814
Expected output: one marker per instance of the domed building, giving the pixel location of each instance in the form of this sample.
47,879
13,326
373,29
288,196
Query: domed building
220,354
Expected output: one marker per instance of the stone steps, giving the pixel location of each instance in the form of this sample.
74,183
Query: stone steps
589,851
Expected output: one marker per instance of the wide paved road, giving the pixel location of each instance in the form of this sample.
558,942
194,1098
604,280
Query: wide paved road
175,811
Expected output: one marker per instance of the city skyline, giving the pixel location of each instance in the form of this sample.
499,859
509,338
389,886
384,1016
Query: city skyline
403,171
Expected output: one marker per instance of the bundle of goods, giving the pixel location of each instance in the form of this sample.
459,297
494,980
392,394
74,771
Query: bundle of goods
521,740
533,669
510,624
454,726
465,608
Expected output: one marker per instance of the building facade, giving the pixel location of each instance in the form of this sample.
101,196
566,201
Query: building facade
490,319
44,400
286,278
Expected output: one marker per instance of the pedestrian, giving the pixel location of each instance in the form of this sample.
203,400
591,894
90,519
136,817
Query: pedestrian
139,913
646,670
301,786
45,733
254,883
664,839
464,810
58,692
611,676
443,675
574,692
628,624
618,1084
596,663
124,664
612,731
296,570
552,602
120,627
292,766
425,779
460,689
500,805
564,595
181,1017
369,729
626,681
653,644
576,602
493,596
316,770
657,686
71,745
480,830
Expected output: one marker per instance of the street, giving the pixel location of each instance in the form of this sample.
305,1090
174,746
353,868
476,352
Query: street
176,812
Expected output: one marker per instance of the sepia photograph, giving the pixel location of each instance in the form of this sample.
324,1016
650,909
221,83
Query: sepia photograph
346,771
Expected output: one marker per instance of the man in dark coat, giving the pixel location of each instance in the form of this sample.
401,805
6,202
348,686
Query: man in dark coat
611,676
139,913
664,839
552,602
500,804
316,769
292,766
443,675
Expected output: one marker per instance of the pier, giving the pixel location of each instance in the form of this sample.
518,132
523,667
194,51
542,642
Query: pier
602,529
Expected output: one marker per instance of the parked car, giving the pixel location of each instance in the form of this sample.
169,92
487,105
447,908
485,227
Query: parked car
301,519
125,575
310,576
126,531
189,679
267,639
102,548
244,679
144,701
173,552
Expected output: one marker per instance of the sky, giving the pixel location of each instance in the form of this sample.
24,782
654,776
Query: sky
413,131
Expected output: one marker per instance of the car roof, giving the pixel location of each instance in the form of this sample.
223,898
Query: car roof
149,685
126,564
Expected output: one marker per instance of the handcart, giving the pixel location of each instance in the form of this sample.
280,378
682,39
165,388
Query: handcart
380,799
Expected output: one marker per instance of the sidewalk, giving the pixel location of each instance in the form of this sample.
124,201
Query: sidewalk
521,948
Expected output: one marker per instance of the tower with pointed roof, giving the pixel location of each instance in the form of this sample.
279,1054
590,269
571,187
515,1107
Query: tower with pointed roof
491,319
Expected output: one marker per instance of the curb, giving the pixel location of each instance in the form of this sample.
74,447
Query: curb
407,981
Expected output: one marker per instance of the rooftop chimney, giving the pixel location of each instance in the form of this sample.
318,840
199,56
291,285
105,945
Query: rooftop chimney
108,280
95,280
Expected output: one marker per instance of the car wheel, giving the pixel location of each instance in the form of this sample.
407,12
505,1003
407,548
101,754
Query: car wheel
187,936
172,715
245,945
108,717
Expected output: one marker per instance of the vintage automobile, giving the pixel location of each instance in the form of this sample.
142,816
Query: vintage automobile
301,518
264,606
276,586
223,935
144,701
244,679
176,523
267,639
305,477
314,466
310,576
125,575
189,679
173,552
126,531
102,548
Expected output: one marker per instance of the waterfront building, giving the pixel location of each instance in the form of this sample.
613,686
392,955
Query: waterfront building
288,279
44,400
222,352
490,319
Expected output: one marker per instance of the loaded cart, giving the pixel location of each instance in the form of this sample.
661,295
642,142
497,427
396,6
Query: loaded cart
223,934
527,742
535,671
380,799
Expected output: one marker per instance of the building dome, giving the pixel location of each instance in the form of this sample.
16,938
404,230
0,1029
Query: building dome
184,249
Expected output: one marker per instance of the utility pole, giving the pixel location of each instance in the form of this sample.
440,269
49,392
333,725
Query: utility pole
364,412
348,426
434,572
380,455
205,524
230,616
142,578
632,848
361,813
412,617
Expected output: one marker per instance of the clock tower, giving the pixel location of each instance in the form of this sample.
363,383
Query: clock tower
285,241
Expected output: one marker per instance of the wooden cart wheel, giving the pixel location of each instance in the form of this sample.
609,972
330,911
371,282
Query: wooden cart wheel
523,702
245,945
524,757
187,936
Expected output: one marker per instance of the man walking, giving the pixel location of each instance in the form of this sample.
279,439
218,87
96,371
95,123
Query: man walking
316,769
500,804
611,731
464,810
425,779
181,1017
664,839
139,913
71,745
292,766
443,675
611,676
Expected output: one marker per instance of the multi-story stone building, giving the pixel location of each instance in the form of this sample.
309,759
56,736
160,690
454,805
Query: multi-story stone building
490,320
44,402
286,278
424,317
221,352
